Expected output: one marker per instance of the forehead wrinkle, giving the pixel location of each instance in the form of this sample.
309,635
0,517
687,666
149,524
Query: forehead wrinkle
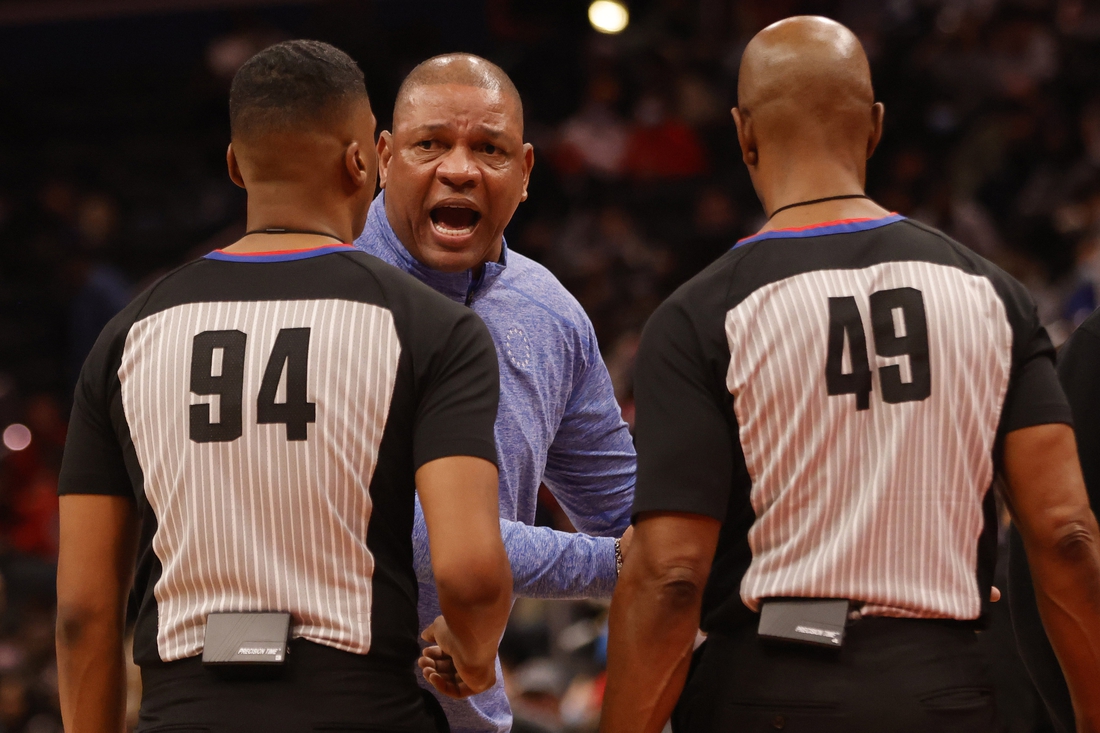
494,133
496,107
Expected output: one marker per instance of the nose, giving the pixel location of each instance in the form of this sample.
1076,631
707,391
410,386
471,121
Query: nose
458,169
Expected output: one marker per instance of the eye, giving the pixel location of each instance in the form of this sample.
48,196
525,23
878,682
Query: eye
491,149
425,144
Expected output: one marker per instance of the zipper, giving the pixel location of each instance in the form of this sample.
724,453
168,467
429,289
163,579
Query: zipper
475,282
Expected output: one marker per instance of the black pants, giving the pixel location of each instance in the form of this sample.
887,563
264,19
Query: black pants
319,689
892,675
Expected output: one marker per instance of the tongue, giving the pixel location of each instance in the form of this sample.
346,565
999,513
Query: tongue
455,218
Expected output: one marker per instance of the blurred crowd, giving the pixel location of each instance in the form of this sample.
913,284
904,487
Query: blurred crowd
112,140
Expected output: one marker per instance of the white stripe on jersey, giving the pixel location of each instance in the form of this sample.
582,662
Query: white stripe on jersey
840,492
260,522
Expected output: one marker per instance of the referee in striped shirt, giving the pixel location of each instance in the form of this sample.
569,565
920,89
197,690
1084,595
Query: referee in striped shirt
246,444
820,415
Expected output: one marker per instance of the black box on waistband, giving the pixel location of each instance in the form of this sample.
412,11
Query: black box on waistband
815,621
236,639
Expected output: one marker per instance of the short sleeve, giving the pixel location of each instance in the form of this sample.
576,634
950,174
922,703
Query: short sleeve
93,460
1079,373
683,431
459,395
1034,395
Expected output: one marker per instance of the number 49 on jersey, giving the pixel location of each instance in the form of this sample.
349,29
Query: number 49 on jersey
899,328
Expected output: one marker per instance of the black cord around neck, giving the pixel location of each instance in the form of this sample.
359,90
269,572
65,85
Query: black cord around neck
280,230
819,201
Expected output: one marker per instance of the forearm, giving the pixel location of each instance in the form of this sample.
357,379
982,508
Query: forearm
98,540
91,672
550,564
545,563
652,630
1066,576
476,611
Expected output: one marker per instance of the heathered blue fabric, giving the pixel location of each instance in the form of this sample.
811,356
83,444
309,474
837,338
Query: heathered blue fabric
558,424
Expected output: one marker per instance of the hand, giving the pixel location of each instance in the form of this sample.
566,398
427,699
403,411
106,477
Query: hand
442,670
625,540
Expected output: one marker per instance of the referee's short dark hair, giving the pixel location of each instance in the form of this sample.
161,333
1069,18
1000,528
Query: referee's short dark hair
293,84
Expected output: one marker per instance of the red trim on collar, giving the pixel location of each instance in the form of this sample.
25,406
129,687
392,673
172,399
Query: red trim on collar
284,251
819,225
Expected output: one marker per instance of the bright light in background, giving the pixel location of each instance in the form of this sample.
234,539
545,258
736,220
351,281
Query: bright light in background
17,437
608,16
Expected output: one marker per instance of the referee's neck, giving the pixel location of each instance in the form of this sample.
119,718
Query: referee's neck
825,212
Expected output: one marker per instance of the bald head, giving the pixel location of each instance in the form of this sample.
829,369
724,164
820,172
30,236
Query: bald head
803,72
463,69
807,120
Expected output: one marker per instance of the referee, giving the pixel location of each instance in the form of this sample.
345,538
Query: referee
245,445
820,415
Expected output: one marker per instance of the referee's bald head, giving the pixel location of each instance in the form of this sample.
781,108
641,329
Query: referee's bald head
806,77
806,110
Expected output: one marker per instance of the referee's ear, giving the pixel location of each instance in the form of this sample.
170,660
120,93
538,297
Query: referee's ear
746,137
234,167
878,113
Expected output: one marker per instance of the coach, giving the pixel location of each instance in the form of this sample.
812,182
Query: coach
820,415
453,170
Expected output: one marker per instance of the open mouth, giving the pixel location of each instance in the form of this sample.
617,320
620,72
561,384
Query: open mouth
454,220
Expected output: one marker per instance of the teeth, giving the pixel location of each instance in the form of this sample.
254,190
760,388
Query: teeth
443,229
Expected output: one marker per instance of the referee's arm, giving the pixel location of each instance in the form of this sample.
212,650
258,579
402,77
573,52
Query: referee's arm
685,466
455,454
654,619
97,546
98,542
1046,495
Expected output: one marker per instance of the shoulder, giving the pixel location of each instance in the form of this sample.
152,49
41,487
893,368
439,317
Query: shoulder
1018,302
151,300
708,293
541,295
101,365
922,232
967,259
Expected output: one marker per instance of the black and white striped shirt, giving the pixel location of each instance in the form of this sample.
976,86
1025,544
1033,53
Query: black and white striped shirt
835,396
268,413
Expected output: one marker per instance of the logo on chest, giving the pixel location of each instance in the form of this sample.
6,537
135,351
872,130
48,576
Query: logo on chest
517,347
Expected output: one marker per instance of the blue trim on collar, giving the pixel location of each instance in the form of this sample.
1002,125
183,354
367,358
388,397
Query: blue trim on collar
280,256
846,226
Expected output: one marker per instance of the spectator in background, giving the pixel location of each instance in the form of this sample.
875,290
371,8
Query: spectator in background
101,288
661,146
593,141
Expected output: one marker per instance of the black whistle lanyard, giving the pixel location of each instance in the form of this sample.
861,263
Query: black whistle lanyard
275,230
819,201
